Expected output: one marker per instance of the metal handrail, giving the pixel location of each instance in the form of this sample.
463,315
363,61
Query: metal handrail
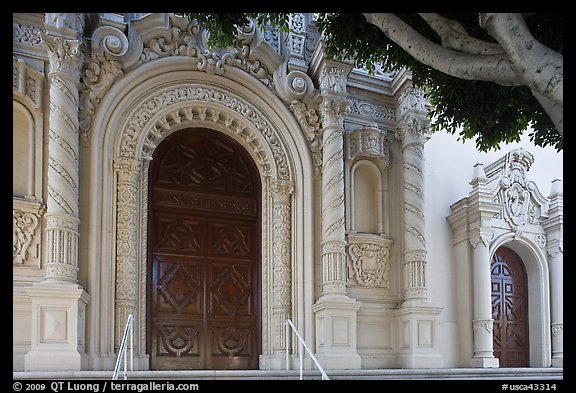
301,344
122,352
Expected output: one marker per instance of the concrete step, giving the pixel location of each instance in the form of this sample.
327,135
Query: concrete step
536,374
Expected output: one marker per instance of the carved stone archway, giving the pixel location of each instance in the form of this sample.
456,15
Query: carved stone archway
194,105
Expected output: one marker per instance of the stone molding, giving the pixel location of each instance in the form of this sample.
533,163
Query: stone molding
212,105
27,82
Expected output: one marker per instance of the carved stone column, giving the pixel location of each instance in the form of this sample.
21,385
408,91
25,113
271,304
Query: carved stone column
554,227
416,316
127,170
335,311
282,191
59,301
413,133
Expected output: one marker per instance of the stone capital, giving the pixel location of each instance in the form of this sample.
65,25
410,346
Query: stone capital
333,110
65,56
127,168
483,237
281,189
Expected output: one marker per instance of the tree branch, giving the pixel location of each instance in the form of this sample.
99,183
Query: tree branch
554,111
493,68
541,68
454,36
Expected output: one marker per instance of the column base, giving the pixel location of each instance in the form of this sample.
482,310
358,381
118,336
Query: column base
486,362
57,328
417,328
558,362
336,332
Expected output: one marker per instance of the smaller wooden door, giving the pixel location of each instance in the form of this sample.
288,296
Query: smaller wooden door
510,309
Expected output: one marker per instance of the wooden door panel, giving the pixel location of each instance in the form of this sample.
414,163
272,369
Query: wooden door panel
510,309
178,235
232,345
178,286
204,254
232,240
177,344
230,290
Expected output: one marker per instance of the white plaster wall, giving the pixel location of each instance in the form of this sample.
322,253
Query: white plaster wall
448,171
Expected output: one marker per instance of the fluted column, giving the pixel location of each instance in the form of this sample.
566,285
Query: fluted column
282,191
335,310
554,227
59,302
127,170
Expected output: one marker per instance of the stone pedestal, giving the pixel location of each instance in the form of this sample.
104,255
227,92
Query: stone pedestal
336,332
417,330
58,319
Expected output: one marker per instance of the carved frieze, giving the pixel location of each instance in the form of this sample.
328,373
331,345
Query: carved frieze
25,34
371,110
369,260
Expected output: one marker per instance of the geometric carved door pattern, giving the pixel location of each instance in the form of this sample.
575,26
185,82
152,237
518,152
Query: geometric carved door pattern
204,254
510,309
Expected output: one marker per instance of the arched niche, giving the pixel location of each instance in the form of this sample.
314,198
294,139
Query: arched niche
366,203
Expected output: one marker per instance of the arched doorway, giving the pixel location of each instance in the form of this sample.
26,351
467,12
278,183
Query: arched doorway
203,302
510,309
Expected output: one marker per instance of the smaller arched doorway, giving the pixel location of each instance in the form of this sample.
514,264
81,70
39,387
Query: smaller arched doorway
203,254
510,309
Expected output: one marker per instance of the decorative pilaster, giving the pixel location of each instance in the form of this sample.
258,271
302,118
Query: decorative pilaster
413,133
554,227
482,324
416,316
282,191
481,213
335,311
59,302
128,170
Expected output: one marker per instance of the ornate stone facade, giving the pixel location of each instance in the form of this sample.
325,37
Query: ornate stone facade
344,216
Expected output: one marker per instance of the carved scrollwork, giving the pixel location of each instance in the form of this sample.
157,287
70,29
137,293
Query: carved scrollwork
189,40
522,203
26,223
369,260
101,69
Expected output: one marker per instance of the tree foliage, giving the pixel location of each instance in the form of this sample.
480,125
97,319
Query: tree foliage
483,110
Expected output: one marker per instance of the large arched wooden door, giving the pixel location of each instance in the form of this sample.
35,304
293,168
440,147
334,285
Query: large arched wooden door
203,254
510,309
